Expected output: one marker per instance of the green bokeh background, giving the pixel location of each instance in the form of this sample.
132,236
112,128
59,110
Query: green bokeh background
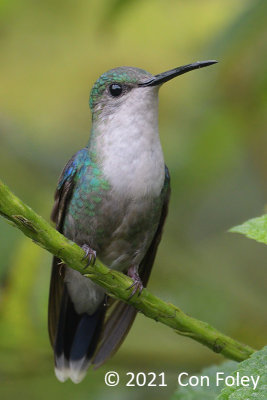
213,132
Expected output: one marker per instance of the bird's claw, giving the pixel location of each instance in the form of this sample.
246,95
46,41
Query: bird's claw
137,284
90,255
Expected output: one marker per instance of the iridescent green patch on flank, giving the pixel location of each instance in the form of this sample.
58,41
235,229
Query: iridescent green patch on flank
96,199
96,171
80,203
89,188
105,185
76,194
95,181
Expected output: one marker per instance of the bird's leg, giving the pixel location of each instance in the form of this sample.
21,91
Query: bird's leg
90,254
137,284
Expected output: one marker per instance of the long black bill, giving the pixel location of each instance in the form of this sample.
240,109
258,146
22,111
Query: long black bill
166,76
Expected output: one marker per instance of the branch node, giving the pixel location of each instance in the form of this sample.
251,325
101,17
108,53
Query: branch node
218,345
25,222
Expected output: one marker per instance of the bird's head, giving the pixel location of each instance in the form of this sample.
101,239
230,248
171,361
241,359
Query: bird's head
128,85
131,88
116,88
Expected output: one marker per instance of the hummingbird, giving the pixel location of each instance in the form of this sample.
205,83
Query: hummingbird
112,200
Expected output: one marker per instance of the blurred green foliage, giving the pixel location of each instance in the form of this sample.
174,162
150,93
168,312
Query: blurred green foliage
207,391
255,366
215,388
255,228
213,131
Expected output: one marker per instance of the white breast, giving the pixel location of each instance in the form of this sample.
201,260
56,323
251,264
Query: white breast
129,146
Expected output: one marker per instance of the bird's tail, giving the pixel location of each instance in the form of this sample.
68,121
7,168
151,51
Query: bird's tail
79,340
75,341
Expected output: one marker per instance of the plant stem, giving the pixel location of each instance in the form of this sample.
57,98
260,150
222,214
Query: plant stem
115,283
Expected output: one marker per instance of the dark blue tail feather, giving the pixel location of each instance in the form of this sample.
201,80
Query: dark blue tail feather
76,340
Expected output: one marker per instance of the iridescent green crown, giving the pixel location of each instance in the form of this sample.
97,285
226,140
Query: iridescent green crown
128,75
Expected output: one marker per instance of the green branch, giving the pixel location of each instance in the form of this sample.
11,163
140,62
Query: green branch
115,283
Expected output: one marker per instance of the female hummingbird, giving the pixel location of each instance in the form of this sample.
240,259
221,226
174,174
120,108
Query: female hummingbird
112,200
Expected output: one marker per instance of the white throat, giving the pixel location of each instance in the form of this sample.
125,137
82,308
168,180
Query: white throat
128,145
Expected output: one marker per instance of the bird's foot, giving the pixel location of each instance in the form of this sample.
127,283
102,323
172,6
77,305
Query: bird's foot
137,284
90,255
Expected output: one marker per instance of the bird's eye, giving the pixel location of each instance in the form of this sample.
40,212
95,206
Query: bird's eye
115,89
